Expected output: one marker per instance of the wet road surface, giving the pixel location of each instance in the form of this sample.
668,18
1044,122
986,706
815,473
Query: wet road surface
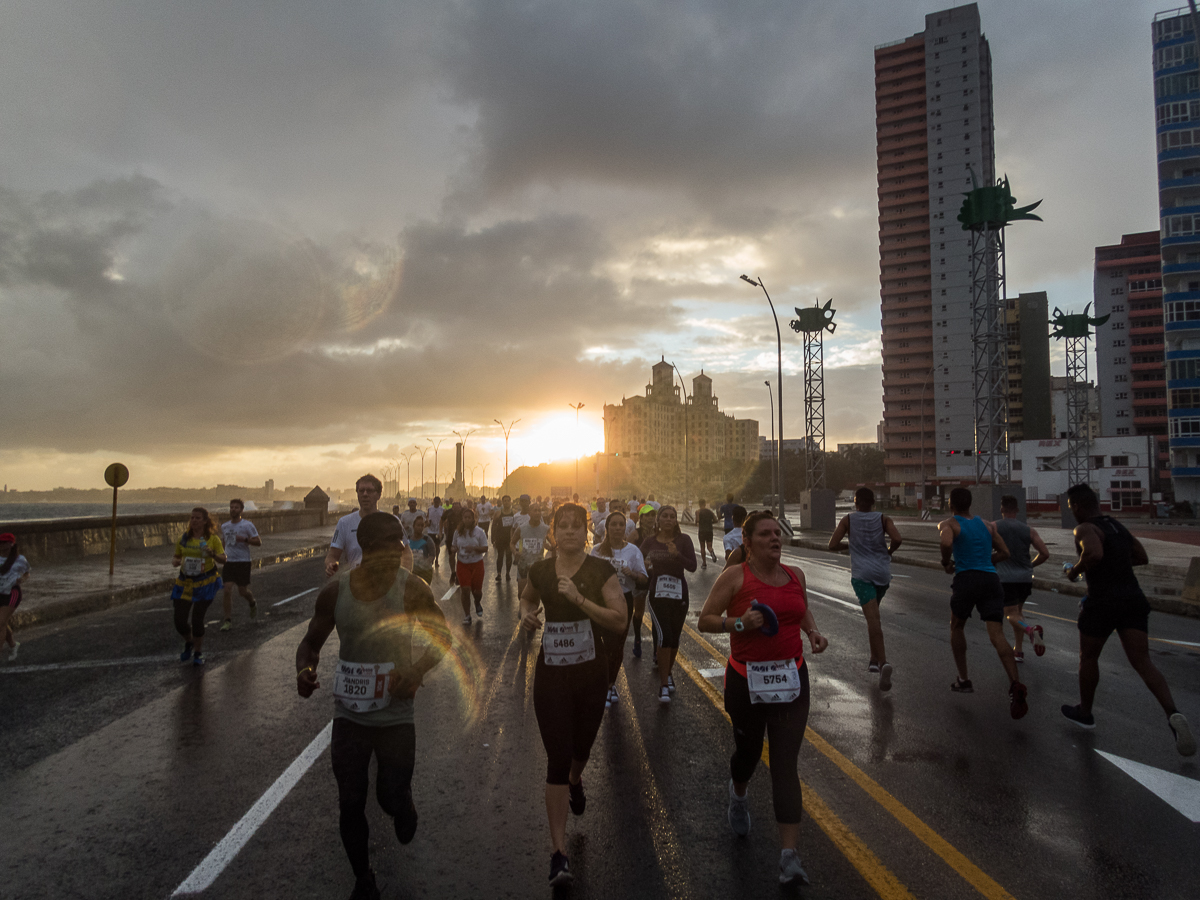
124,769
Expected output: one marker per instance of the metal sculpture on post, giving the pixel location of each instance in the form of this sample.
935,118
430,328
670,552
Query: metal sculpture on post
985,213
817,507
1076,329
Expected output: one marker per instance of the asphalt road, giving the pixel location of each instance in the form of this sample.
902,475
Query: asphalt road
124,769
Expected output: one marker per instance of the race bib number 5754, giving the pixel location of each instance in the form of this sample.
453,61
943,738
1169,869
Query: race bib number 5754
777,681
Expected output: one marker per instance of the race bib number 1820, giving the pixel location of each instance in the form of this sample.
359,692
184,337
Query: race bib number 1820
362,687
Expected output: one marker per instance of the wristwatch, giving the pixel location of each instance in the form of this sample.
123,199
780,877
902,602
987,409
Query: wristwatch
738,625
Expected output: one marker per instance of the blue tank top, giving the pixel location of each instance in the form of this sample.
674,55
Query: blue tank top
973,546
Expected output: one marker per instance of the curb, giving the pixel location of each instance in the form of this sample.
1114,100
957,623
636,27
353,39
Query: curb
98,600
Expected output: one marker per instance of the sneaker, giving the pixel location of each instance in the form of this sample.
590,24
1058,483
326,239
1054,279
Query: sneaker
637,648
12,654
671,683
612,698
227,624
467,619
1017,706
703,563
187,652
1076,715
664,695
1035,637
714,557
406,819
1018,656
497,578
578,801
507,575
198,658
560,870
1184,742
885,677
873,668
365,888
962,686
790,870
739,812
253,609
478,609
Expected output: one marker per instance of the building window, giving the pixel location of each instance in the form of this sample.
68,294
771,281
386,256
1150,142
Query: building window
1118,360
1016,464
1120,461
1118,343
1120,378
1185,398
1185,426
1183,311
1122,432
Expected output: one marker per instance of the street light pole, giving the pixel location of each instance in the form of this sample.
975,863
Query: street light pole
921,496
779,392
483,486
422,451
408,474
770,409
683,387
436,447
577,408
507,431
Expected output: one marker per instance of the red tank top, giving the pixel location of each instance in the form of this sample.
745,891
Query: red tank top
789,604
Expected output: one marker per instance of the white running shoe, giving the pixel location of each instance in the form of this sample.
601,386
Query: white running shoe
1184,742
664,695
612,698
13,654
790,870
739,812
671,684
885,677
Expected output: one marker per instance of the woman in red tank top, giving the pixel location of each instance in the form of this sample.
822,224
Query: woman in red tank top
763,606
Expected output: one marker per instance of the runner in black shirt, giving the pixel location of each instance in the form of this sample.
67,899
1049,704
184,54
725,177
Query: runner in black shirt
705,520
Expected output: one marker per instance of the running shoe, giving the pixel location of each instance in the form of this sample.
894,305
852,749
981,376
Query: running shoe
497,578
560,870
13,653
1079,717
1035,637
1017,707
1018,655
1184,742
790,870
962,686
612,698
187,652
578,800
714,557
664,695
885,677
873,668
478,609
406,819
467,620
637,648
739,812
253,609
703,562
227,624
365,888
198,658
671,683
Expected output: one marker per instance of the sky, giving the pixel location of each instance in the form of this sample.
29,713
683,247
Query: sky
295,240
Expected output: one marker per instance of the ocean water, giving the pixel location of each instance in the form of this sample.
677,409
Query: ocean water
30,512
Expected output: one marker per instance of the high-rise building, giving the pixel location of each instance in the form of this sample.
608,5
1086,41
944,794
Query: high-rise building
933,123
1028,367
1130,365
1177,114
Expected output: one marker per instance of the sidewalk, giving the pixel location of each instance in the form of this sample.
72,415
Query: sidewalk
57,591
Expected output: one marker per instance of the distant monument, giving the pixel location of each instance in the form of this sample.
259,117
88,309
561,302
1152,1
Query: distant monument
457,488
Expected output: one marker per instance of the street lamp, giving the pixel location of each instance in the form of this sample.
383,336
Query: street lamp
422,451
921,496
779,392
770,407
473,468
683,385
577,407
436,447
408,476
483,486
507,431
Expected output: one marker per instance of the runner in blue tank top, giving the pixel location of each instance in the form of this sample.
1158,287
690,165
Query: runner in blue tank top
976,547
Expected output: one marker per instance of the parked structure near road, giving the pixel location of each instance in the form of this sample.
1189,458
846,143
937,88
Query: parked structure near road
1121,467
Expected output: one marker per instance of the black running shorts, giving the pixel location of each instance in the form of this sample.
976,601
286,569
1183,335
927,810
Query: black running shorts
975,589
1100,618
1016,592
236,573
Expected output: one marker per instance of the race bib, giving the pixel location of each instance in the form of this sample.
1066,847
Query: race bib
668,587
568,643
777,681
506,521
533,546
193,566
362,687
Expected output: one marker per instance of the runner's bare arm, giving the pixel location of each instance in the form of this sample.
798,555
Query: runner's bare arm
531,605
406,558
1043,552
893,533
332,559
839,534
721,594
308,654
1091,549
947,532
999,548
614,602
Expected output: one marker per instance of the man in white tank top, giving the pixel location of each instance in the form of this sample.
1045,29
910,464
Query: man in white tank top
870,570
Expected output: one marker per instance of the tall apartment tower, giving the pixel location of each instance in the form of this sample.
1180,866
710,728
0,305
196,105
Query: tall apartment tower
1028,368
1177,114
1130,364
933,126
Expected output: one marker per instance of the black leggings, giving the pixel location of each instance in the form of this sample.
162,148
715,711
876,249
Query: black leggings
395,748
504,555
569,704
614,642
667,617
185,608
784,724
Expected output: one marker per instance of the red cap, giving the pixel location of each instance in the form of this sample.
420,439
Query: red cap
8,537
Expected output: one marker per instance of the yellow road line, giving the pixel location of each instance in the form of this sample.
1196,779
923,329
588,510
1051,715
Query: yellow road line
872,869
974,876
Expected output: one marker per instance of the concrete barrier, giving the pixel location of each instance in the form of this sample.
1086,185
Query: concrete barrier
59,540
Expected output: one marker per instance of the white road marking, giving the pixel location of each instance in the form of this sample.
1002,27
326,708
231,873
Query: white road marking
156,609
1181,793
1181,643
86,664
450,593
853,606
295,597
212,865
711,673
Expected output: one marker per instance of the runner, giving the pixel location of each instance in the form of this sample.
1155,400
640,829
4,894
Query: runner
645,520
668,554
424,550
976,548
197,553
1016,574
733,539
627,560
571,678
763,606
1114,602
470,549
408,517
450,522
344,552
528,542
502,529
13,572
433,522
483,513
726,512
870,570
375,609
238,535
705,520
654,503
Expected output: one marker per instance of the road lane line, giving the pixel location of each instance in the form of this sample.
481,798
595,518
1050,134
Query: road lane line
974,876
295,597
867,864
854,606
87,664
1159,640
221,855
450,593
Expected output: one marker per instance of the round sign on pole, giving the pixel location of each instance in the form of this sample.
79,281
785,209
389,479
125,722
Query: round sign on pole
116,475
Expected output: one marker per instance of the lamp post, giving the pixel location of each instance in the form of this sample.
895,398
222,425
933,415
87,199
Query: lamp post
921,495
435,456
473,468
577,407
408,473
483,486
507,431
683,387
779,392
422,451
770,409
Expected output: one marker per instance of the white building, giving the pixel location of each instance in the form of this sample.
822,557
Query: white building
766,447
1120,466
